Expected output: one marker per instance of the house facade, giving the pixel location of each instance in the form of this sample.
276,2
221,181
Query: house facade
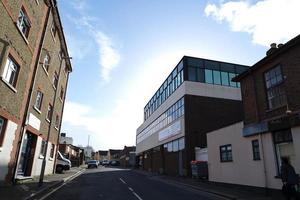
197,97
251,150
34,70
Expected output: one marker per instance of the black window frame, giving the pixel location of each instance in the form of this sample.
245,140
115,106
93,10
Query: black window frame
279,99
2,130
255,149
226,151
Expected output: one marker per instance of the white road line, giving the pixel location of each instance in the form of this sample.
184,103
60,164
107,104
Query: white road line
122,180
137,196
130,189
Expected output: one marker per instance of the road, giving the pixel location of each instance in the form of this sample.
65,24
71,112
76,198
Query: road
117,184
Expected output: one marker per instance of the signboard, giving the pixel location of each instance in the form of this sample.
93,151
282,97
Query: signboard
34,121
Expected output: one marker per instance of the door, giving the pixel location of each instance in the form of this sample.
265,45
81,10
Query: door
27,154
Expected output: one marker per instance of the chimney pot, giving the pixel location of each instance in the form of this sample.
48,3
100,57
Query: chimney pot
279,45
273,45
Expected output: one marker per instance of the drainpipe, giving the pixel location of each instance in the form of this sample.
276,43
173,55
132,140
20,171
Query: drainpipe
29,98
260,135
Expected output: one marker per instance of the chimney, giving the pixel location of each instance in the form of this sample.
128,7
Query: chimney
272,49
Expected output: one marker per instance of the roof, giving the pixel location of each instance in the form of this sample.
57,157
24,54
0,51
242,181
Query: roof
277,52
103,153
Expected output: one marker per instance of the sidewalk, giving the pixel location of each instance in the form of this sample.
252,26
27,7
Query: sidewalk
30,189
227,191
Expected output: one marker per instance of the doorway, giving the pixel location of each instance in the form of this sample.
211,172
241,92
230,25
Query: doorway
27,154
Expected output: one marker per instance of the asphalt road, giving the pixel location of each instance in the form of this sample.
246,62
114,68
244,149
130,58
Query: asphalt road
116,184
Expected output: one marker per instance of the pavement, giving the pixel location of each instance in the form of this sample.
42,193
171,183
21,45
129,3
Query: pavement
114,183
228,191
30,189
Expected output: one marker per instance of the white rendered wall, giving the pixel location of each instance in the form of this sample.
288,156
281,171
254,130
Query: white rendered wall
6,148
38,159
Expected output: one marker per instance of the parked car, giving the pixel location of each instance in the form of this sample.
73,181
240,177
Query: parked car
93,164
105,162
62,163
114,163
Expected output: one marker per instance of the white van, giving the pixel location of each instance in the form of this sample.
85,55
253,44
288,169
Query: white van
62,163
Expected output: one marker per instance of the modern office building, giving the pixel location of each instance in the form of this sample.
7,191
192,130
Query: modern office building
34,70
249,152
197,97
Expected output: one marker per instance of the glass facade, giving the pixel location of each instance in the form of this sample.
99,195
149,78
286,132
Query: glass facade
172,114
196,70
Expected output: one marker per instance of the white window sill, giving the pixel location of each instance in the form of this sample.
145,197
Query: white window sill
45,69
53,86
41,157
37,2
56,128
1,149
61,100
47,120
53,36
9,85
37,110
51,159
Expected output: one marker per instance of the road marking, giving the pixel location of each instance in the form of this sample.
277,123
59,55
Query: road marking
122,180
137,196
130,189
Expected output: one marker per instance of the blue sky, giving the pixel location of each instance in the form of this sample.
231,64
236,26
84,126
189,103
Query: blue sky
123,50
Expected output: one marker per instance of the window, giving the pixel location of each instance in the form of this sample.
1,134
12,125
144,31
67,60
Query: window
231,83
170,147
175,145
56,121
23,22
275,92
208,76
62,93
55,80
43,148
39,100
255,149
181,143
226,153
11,71
53,30
284,147
46,62
2,129
192,74
49,112
52,151
217,78
225,79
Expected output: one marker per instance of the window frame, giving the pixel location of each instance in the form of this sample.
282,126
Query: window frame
274,88
227,159
255,146
2,130
27,22
55,80
11,61
46,65
43,148
39,107
57,121
49,112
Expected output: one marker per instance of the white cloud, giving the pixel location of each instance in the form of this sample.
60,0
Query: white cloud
118,127
267,21
108,52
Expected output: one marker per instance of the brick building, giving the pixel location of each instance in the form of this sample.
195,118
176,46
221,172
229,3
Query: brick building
249,152
34,70
127,156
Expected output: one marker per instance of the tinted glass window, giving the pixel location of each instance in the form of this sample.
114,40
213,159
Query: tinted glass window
217,78
208,76
192,74
225,78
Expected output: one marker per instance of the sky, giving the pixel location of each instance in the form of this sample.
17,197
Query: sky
123,50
